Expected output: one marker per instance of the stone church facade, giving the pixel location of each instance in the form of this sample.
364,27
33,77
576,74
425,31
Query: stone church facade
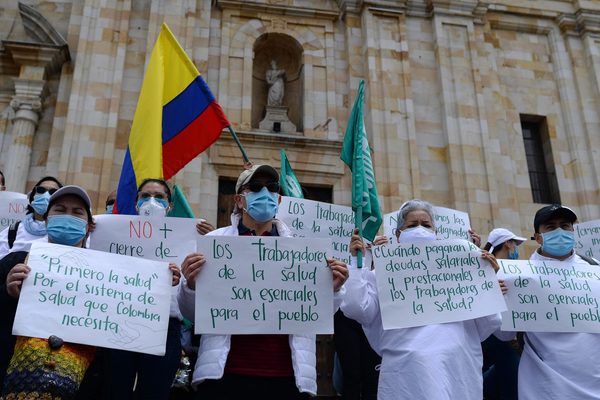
468,102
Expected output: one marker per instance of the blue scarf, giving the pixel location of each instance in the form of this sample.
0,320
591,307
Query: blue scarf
34,227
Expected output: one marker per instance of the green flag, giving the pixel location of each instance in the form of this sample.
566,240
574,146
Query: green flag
287,178
357,155
181,208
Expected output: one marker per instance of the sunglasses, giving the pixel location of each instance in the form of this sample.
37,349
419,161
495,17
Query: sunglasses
110,203
42,190
257,186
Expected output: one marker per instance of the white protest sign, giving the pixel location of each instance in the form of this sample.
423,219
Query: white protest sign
95,298
163,239
450,224
548,296
431,282
264,285
12,208
315,219
587,235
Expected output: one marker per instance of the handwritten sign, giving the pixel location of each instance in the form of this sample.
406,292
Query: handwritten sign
450,224
587,235
433,282
162,239
95,298
12,208
314,219
549,297
264,285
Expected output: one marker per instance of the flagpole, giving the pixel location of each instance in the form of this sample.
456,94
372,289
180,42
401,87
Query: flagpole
358,224
237,140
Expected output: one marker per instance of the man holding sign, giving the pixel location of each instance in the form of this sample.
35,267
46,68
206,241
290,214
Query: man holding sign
559,365
253,366
440,361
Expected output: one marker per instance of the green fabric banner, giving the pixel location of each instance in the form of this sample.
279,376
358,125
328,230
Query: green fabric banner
287,178
181,207
357,155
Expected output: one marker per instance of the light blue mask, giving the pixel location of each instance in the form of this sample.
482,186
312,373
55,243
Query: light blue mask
66,229
261,206
109,209
558,242
513,254
40,203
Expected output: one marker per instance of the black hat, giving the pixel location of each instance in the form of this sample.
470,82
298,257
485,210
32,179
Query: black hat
552,211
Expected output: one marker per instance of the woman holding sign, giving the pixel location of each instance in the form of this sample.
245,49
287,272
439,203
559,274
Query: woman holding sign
253,366
42,368
439,361
154,374
18,236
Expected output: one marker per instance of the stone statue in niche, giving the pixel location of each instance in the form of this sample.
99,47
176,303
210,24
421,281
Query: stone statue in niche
276,81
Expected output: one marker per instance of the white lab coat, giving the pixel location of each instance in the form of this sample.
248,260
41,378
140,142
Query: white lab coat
560,366
432,362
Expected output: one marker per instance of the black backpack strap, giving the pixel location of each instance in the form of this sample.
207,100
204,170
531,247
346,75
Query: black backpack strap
12,233
589,260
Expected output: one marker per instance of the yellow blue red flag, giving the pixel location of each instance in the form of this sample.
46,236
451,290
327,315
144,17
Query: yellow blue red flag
176,119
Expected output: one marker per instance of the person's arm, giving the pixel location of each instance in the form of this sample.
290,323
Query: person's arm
186,294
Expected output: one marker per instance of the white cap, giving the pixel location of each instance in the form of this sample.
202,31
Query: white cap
247,175
501,235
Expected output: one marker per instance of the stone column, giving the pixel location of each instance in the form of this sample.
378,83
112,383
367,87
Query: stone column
27,104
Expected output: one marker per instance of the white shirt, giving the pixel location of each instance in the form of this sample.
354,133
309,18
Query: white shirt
563,366
432,362
22,241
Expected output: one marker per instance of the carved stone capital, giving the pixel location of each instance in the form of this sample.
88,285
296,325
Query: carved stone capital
26,103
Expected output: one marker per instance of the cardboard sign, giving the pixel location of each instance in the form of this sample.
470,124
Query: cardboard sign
549,297
95,298
314,219
587,236
264,285
450,224
164,239
13,207
431,282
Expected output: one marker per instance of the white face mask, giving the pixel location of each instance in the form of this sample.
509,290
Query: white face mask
416,234
152,208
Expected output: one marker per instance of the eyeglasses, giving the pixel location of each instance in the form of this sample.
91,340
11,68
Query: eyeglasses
42,190
257,186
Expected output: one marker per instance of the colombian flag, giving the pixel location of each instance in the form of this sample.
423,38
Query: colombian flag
176,119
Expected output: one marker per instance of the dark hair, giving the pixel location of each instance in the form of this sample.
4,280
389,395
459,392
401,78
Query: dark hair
3,181
153,180
38,183
87,209
488,246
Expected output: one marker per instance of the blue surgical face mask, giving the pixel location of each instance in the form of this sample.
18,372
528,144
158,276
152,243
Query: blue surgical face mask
40,203
558,243
152,207
513,254
261,206
66,229
109,209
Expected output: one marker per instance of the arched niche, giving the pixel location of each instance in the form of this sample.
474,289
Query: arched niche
287,52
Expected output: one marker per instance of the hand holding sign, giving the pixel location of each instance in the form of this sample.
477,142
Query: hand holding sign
190,267
15,278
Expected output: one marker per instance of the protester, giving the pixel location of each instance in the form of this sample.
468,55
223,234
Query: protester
438,361
253,366
357,359
18,236
558,366
501,359
43,368
154,373
2,182
110,201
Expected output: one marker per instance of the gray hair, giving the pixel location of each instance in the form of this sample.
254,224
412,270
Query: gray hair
414,205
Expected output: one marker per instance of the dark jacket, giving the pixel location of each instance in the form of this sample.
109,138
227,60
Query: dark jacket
8,308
